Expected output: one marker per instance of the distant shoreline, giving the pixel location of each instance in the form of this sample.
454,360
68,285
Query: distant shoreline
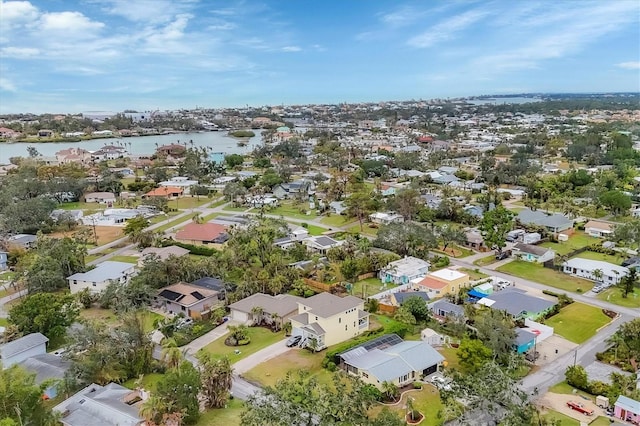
90,138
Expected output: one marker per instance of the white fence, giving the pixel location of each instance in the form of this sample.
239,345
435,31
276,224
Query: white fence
386,293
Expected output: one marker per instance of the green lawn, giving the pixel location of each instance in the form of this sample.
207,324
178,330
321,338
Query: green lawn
566,389
126,259
592,255
80,205
148,318
366,229
3,322
451,357
260,339
561,419
230,208
161,217
474,275
371,286
601,421
229,416
337,220
290,210
578,322
427,401
577,240
208,217
454,251
315,230
269,372
484,261
175,222
614,295
149,382
218,203
186,203
550,277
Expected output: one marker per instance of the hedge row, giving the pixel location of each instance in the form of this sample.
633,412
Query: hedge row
193,249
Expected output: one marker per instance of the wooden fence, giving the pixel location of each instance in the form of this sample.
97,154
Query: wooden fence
317,285
387,308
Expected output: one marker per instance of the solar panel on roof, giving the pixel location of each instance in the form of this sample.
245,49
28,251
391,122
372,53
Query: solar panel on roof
171,295
380,343
197,295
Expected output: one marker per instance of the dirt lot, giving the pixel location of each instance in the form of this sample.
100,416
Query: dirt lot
106,234
548,349
558,402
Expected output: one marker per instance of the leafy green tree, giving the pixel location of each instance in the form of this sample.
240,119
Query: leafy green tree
21,398
628,233
234,160
217,376
473,354
46,313
407,203
360,204
616,201
629,282
404,315
495,225
496,330
135,227
179,389
418,308
576,376
270,178
349,269
451,235
406,239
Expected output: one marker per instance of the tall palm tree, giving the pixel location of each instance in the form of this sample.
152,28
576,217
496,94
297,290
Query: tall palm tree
152,409
256,314
172,355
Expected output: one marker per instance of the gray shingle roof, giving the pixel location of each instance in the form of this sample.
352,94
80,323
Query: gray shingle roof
401,297
515,303
523,336
529,248
528,216
282,304
22,344
46,366
326,304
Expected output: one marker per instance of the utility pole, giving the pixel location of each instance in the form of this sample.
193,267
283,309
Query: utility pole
575,357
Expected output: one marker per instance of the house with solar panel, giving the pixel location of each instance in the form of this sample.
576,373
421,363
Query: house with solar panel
391,359
190,300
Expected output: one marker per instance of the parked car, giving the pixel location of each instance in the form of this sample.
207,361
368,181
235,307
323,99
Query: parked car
293,341
503,255
184,322
580,408
597,289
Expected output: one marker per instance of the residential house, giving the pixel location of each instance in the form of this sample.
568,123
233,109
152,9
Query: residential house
190,300
202,234
100,197
327,319
296,236
337,207
554,223
22,348
387,190
431,201
259,306
47,367
108,152
212,283
109,405
475,240
299,188
400,364
382,218
397,299
321,243
598,229
169,192
64,215
179,182
442,309
525,340
161,253
24,241
45,133
404,270
3,260
627,409
7,133
518,304
594,270
442,282
97,279
433,338
531,253
73,155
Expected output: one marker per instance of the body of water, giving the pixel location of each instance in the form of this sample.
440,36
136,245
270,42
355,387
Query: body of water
500,101
218,141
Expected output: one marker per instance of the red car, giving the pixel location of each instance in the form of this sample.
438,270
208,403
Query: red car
580,408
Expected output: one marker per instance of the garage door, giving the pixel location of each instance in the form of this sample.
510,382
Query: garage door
239,316
430,370
297,332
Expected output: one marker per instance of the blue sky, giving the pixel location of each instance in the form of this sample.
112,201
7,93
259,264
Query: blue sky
74,56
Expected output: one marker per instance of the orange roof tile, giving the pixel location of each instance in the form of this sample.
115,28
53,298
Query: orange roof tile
164,191
432,283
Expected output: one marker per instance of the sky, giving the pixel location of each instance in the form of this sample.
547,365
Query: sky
87,55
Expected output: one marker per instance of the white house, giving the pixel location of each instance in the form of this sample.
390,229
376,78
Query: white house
585,268
531,253
321,243
100,197
404,270
598,229
385,218
20,349
99,278
179,182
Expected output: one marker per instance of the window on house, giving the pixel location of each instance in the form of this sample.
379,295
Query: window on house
339,320
75,282
345,327
183,308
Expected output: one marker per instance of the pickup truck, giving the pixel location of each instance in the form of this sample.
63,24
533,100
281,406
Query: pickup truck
580,408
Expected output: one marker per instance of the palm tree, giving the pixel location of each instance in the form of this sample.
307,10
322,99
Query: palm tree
389,390
287,327
256,314
276,321
172,355
152,409
597,274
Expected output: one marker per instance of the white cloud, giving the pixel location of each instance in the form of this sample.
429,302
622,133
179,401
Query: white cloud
633,65
147,11
401,17
6,85
291,49
19,52
222,26
17,12
69,23
447,29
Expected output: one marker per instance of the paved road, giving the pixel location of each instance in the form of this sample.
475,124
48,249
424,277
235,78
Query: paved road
3,312
261,356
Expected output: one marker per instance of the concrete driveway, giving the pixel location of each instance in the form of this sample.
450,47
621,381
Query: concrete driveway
205,339
261,356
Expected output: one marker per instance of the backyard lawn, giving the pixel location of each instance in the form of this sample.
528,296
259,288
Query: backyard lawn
366,229
162,217
566,389
269,372
315,230
427,401
229,416
484,261
80,205
542,275
260,339
370,286
337,220
149,382
451,357
455,251
186,203
126,259
614,295
577,240
592,255
294,211
578,322
3,322
560,419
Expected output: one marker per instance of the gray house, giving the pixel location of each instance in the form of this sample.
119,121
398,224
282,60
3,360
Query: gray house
20,349
47,367
518,304
554,223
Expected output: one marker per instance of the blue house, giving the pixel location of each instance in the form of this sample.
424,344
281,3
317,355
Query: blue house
525,340
3,260
217,157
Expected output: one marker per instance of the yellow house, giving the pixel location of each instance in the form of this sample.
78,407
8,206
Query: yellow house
326,319
442,282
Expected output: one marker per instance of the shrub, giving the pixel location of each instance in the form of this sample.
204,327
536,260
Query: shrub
417,385
193,249
597,387
331,366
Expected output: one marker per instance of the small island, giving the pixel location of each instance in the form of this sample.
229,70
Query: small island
242,134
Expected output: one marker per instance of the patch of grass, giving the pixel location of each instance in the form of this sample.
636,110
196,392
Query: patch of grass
563,419
566,389
484,261
337,220
427,401
105,316
269,372
542,275
126,259
294,211
175,222
601,421
371,286
614,295
149,382
578,322
366,229
315,230
4,322
218,203
229,416
474,275
592,255
81,205
260,339
451,357
209,217
454,251
578,240
148,318
186,203
162,217
91,257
